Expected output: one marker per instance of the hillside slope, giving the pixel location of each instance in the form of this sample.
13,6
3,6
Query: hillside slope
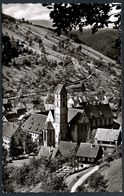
113,175
103,41
58,59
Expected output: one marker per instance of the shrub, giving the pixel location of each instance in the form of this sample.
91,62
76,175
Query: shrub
81,188
97,182
54,48
105,164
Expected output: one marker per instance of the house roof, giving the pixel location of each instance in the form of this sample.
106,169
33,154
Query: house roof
66,147
107,134
72,112
45,152
9,129
35,123
59,88
88,150
98,111
11,115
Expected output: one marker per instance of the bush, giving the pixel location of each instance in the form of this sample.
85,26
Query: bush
81,188
104,165
97,182
27,62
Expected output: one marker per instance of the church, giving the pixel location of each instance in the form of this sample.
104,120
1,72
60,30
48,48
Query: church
59,124
63,123
70,124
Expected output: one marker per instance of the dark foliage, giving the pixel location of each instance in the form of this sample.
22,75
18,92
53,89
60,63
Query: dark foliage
67,17
10,49
6,179
15,149
30,146
97,182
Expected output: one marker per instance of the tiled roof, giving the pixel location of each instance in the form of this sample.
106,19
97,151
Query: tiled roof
98,110
35,123
66,147
44,152
107,134
88,150
9,129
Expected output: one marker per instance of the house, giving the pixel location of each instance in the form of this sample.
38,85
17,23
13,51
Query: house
21,109
34,125
7,104
89,153
100,115
40,130
9,130
108,138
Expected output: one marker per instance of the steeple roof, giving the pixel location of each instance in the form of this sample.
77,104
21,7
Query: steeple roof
48,126
59,88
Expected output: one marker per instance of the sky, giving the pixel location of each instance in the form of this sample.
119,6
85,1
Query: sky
29,11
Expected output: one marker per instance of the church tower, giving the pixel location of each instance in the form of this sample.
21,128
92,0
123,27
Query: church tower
60,113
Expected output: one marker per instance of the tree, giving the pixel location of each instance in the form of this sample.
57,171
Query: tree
69,16
55,184
97,182
4,155
50,99
14,150
10,49
28,144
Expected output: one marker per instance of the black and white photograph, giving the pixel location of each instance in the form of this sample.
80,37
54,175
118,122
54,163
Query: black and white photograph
61,97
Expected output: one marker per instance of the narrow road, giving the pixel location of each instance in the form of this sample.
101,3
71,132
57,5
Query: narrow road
83,178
